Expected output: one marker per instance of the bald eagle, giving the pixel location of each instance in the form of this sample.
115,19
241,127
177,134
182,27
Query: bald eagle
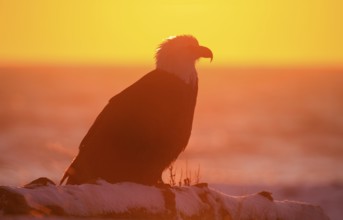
144,128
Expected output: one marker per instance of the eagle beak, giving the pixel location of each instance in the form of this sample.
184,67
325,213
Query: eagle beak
204,52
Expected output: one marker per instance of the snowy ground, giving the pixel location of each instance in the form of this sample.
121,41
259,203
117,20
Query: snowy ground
329,197
130,200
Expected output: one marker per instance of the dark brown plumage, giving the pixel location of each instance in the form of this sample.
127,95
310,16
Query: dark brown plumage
141,130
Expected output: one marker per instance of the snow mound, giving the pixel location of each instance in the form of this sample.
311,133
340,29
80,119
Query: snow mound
131,200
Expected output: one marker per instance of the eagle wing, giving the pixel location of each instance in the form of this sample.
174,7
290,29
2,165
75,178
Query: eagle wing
139,132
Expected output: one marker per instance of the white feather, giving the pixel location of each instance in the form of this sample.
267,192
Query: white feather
174,56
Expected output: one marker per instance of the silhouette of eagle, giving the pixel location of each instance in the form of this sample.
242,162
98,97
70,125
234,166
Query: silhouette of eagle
144,128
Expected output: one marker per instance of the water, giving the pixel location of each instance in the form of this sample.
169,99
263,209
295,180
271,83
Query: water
251,125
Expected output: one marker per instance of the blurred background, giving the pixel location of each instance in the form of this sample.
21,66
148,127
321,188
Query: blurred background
269,108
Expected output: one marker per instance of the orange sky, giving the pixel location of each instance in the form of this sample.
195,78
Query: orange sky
244,33
277,33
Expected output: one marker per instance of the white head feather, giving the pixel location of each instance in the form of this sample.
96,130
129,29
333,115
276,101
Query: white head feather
177,55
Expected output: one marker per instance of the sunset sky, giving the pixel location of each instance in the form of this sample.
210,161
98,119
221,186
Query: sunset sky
269,106
249,32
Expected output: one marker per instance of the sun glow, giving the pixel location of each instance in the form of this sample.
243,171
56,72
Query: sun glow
117,32
268,110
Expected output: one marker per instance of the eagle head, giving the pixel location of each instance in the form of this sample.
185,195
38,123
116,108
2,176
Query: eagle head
178,54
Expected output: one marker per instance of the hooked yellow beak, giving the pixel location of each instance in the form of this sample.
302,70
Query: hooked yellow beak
204,52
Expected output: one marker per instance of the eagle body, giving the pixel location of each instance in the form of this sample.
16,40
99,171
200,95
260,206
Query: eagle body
140,132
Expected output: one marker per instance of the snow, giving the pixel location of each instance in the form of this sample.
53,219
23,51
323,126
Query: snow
328,196
85,200
134,200
186,201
